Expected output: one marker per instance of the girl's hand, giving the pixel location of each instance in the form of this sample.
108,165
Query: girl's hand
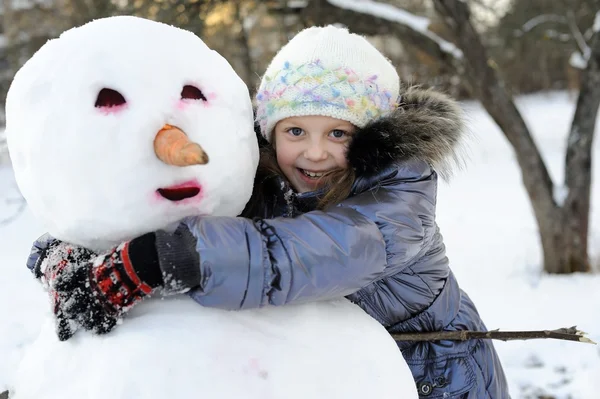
53,260
93,294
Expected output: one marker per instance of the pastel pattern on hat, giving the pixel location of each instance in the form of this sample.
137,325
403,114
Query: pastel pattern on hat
313,89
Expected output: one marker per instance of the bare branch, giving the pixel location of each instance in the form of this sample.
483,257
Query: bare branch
539,20
569,21
568,334
368,22
554,34
3,143
21,205
492,92
579,39
400,16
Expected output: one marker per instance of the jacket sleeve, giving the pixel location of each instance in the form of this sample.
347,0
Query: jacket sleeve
318,255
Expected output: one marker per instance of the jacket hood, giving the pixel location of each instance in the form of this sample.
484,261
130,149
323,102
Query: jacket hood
426,125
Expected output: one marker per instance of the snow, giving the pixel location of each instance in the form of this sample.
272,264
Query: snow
395,14
560,194
491,239
90,176
493,246
577,60
596,26
181,349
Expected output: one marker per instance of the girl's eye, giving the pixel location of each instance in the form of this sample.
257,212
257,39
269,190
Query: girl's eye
338,134
295,131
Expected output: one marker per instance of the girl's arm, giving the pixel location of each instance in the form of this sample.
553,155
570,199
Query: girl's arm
318,255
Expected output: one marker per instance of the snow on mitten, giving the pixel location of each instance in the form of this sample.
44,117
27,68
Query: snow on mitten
95,294
53,259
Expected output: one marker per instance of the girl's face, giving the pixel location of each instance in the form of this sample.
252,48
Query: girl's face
307,147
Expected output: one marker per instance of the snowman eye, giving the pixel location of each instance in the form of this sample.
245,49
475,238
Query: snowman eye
192,93
108,98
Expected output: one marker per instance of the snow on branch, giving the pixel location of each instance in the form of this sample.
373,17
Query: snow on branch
579,59
397,15
539,20
579,39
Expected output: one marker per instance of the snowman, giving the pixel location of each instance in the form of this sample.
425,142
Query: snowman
86,116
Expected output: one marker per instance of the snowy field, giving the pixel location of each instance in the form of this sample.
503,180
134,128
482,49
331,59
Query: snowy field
492,243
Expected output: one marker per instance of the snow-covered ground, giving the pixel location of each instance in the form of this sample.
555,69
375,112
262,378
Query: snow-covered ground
491,239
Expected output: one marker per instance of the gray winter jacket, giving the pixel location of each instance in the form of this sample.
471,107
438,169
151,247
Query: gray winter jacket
381,248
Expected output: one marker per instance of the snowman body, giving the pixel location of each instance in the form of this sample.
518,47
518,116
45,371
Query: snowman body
81,118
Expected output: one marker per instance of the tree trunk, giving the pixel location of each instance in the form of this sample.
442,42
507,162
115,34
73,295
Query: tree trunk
11,32
565,238
578,168
563,228
245,69
561,247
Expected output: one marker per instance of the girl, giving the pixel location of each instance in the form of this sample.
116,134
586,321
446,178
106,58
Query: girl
344,205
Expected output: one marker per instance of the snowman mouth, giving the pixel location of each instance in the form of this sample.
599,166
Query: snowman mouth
179,192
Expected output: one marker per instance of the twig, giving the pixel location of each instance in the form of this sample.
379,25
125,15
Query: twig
569,334
22,204
577,35
538,20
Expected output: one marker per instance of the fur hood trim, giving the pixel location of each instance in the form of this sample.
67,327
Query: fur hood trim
426,125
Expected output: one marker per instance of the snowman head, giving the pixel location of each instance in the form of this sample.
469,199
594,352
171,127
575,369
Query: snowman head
126,125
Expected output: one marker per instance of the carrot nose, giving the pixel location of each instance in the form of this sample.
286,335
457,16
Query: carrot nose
173,147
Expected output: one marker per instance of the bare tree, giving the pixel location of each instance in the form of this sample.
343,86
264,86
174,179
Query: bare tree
563,221
243,23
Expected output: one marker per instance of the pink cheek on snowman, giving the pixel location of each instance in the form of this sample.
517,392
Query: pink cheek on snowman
116,109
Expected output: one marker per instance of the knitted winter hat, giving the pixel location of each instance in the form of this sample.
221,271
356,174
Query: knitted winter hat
326,71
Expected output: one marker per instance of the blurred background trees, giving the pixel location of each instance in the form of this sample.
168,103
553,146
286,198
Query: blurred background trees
487,50
534,42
